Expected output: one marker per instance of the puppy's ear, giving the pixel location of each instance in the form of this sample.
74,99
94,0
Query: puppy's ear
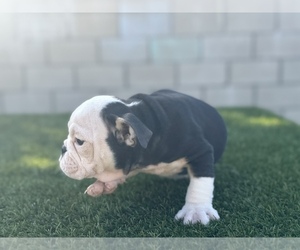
129,129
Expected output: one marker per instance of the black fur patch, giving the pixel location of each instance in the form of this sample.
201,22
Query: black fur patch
182,127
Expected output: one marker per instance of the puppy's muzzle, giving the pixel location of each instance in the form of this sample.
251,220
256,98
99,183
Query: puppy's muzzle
67,164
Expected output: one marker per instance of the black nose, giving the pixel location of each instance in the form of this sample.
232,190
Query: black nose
63,149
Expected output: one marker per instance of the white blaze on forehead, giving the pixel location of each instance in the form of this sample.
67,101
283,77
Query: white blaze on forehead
92,106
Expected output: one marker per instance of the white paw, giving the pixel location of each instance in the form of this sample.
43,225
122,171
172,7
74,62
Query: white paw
192,213
96,189
110,187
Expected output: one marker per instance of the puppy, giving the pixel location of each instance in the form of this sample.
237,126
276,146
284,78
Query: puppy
165,133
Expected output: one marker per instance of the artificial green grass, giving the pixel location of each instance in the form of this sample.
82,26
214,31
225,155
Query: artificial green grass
257,187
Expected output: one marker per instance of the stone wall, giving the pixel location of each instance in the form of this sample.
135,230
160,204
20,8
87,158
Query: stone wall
51,62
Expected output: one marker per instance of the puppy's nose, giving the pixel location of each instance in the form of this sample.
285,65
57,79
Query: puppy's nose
63,149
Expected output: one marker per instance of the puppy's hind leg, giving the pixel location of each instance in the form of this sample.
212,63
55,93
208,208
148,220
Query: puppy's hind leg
198,202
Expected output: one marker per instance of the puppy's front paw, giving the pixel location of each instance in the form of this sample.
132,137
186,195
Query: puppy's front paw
96,189
110,187
192,213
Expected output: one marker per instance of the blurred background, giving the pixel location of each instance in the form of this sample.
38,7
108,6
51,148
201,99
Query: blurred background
51,62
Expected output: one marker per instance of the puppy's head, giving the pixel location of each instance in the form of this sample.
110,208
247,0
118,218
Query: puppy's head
86,152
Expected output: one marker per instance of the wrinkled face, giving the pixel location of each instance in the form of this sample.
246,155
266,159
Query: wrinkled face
85,152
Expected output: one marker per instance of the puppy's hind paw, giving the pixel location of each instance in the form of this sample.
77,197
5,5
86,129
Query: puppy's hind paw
192,213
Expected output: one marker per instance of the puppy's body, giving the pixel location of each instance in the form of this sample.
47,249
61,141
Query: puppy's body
162,133
183,127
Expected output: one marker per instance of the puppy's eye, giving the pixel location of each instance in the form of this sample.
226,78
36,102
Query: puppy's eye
79,142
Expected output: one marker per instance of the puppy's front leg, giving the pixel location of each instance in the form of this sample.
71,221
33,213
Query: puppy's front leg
98,188
198,203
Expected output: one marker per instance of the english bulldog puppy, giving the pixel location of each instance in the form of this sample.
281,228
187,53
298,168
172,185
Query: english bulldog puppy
165,133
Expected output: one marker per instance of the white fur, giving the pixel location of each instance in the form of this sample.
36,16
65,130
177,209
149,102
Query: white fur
94,156
133,104
198,203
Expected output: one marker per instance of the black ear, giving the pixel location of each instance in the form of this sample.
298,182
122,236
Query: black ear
129,129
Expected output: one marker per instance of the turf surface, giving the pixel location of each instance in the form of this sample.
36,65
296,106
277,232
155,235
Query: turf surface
257,188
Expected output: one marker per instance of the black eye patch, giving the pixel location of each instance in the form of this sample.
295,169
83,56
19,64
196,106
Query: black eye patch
79,142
